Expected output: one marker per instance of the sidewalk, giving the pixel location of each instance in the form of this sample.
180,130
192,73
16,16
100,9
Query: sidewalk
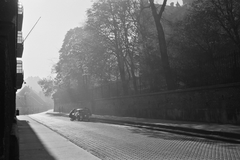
224,132
39,142
229,133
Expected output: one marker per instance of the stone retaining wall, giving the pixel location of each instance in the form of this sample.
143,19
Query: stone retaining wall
218,104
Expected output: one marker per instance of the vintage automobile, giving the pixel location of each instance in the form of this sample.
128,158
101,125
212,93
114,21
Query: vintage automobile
80,114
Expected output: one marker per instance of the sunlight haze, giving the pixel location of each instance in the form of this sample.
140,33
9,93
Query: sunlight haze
57,17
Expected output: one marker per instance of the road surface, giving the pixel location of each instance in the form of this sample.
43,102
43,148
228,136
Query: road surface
111,141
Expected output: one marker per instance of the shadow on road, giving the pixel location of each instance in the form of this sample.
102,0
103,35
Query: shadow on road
172,136
30,146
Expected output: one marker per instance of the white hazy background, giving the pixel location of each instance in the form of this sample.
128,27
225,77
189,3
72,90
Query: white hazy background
57,17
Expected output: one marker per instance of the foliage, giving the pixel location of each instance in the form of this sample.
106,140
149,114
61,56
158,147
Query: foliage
203,43
47,85
119,50
114,22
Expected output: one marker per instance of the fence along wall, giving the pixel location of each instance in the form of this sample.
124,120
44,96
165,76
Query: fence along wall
218,104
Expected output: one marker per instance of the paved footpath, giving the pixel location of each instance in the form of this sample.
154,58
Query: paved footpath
37,142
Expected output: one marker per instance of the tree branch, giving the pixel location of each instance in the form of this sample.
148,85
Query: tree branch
162,9
154,9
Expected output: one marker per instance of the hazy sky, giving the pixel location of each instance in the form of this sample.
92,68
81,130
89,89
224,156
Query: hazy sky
42,45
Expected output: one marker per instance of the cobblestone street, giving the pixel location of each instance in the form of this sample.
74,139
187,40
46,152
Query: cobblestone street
108,141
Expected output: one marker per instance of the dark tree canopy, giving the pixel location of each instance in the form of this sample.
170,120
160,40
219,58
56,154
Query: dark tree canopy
131,47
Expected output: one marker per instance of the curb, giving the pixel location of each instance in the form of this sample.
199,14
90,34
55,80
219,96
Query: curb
214,135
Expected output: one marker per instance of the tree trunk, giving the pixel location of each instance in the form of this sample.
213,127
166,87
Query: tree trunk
164,57
120,58
162,45
121,66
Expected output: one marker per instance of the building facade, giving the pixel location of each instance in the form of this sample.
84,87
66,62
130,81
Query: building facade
11,48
